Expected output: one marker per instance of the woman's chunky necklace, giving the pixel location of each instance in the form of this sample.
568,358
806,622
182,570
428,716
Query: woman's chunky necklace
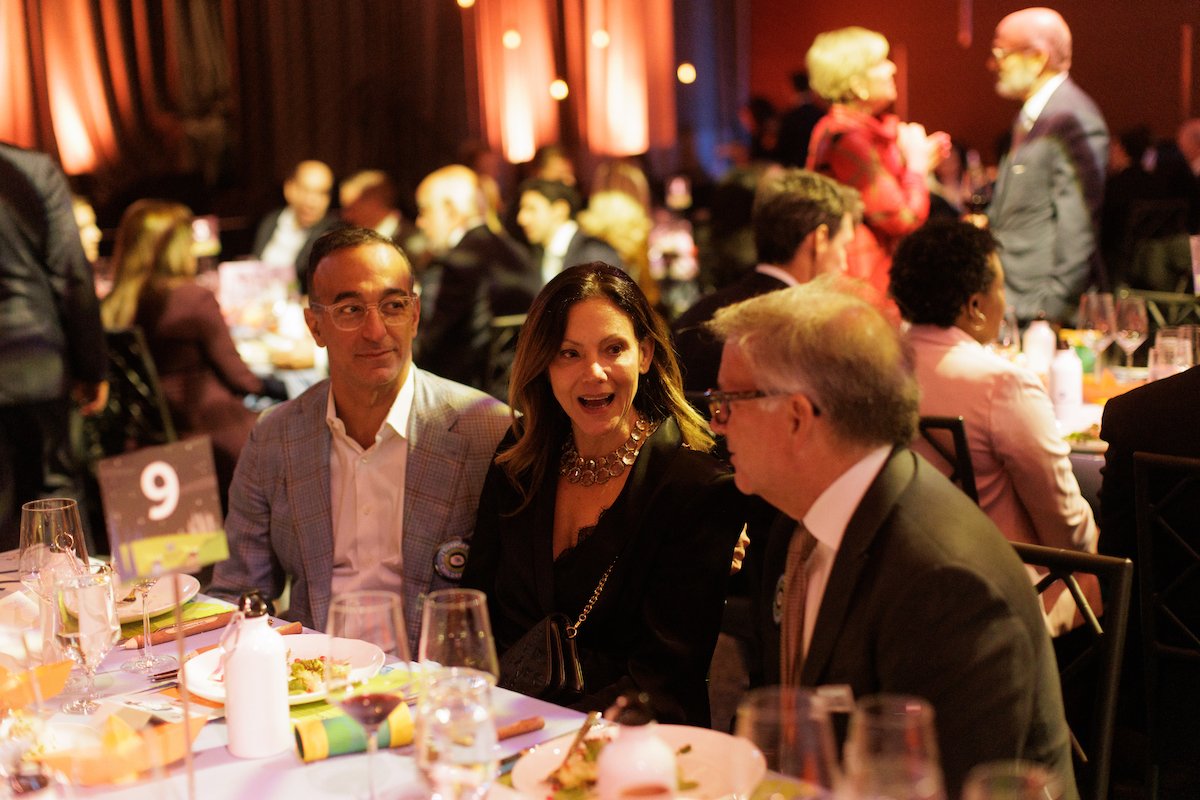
596,471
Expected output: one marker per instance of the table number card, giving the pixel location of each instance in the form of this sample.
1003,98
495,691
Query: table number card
162,509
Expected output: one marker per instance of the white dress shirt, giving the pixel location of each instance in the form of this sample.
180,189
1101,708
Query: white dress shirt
1033,107
826,520
366,490
286,241
1022,465
778,273
556,250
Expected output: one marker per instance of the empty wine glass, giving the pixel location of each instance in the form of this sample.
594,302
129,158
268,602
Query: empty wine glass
791,727
87,627
891,750
456,736
52,545
147,662
1008,338
1011,780
1133,325
457,632
375,617
1097,325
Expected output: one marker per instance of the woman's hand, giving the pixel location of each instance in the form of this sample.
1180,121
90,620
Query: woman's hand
739,552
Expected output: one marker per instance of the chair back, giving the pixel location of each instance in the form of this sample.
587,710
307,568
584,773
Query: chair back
136,414
948,438
1093,667
502,349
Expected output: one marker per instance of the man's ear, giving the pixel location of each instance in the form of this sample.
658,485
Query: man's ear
314,327
801,414
562,210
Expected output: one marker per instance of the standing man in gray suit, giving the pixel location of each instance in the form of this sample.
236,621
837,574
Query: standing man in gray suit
880,575
1046,204
369,480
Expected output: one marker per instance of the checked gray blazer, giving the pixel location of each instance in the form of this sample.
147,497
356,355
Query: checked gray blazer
280,521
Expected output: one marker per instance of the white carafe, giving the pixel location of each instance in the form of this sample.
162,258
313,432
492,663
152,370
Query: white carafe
1066,381
637,763
1038,345
256,683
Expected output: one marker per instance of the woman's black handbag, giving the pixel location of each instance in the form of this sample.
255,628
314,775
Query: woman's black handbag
544,663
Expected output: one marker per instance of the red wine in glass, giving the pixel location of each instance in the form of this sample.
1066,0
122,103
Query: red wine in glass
370,710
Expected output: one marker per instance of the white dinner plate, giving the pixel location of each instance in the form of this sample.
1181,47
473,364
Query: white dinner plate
1088,445
159,600
719,764
365,661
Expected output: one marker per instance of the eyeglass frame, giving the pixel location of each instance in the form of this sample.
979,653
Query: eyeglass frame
998,54
331,308
716,400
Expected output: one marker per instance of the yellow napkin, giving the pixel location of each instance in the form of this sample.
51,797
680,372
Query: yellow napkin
191,610
123,751
17,690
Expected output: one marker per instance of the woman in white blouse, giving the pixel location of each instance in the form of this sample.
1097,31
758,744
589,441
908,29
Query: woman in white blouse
948,281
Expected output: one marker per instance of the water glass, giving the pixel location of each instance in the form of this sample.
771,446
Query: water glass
456,736
891,750
52,545
1012,780
87,627
1133,325
456,631
791,727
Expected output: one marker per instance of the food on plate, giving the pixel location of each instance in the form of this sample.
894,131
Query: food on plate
1090,433
308,674
575,779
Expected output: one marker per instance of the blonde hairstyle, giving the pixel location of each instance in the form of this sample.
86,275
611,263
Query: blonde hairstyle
823,341
543,425
621,220
153,244
837,58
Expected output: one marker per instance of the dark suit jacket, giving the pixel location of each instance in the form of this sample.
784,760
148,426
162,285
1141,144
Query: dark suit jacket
482,277
655,625
1159,417
1046,207
50,331
585,249
266,229
698,351
927,598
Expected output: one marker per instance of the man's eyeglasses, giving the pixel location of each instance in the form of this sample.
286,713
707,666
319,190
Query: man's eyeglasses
351,314
719,408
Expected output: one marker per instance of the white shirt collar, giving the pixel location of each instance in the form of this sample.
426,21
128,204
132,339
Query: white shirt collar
830,514
397,417
777,272
1037,101
561,239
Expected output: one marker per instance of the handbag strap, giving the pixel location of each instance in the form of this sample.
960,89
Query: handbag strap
573,628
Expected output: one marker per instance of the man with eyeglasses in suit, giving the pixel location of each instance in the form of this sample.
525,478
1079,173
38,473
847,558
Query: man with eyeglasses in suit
368,480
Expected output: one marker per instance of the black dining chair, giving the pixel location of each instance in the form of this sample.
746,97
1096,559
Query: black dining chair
136,414
948,438
1167,505
1091,670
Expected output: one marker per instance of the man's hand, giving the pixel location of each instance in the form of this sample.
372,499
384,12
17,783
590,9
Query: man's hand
91,397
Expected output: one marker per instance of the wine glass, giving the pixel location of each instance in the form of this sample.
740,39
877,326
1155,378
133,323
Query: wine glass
87,627
52,545
791,727
1008,337
1133,326
891,750
147,662
1011,780
1097,325
376,617
457,632
456,736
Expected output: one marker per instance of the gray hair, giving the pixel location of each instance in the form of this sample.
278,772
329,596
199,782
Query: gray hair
823,341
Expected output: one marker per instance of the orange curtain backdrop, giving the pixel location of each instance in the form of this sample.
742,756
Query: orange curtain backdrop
518,112
628,87
83,120
18,116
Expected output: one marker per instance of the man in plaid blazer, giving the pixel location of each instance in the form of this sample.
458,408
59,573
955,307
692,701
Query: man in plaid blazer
369,480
